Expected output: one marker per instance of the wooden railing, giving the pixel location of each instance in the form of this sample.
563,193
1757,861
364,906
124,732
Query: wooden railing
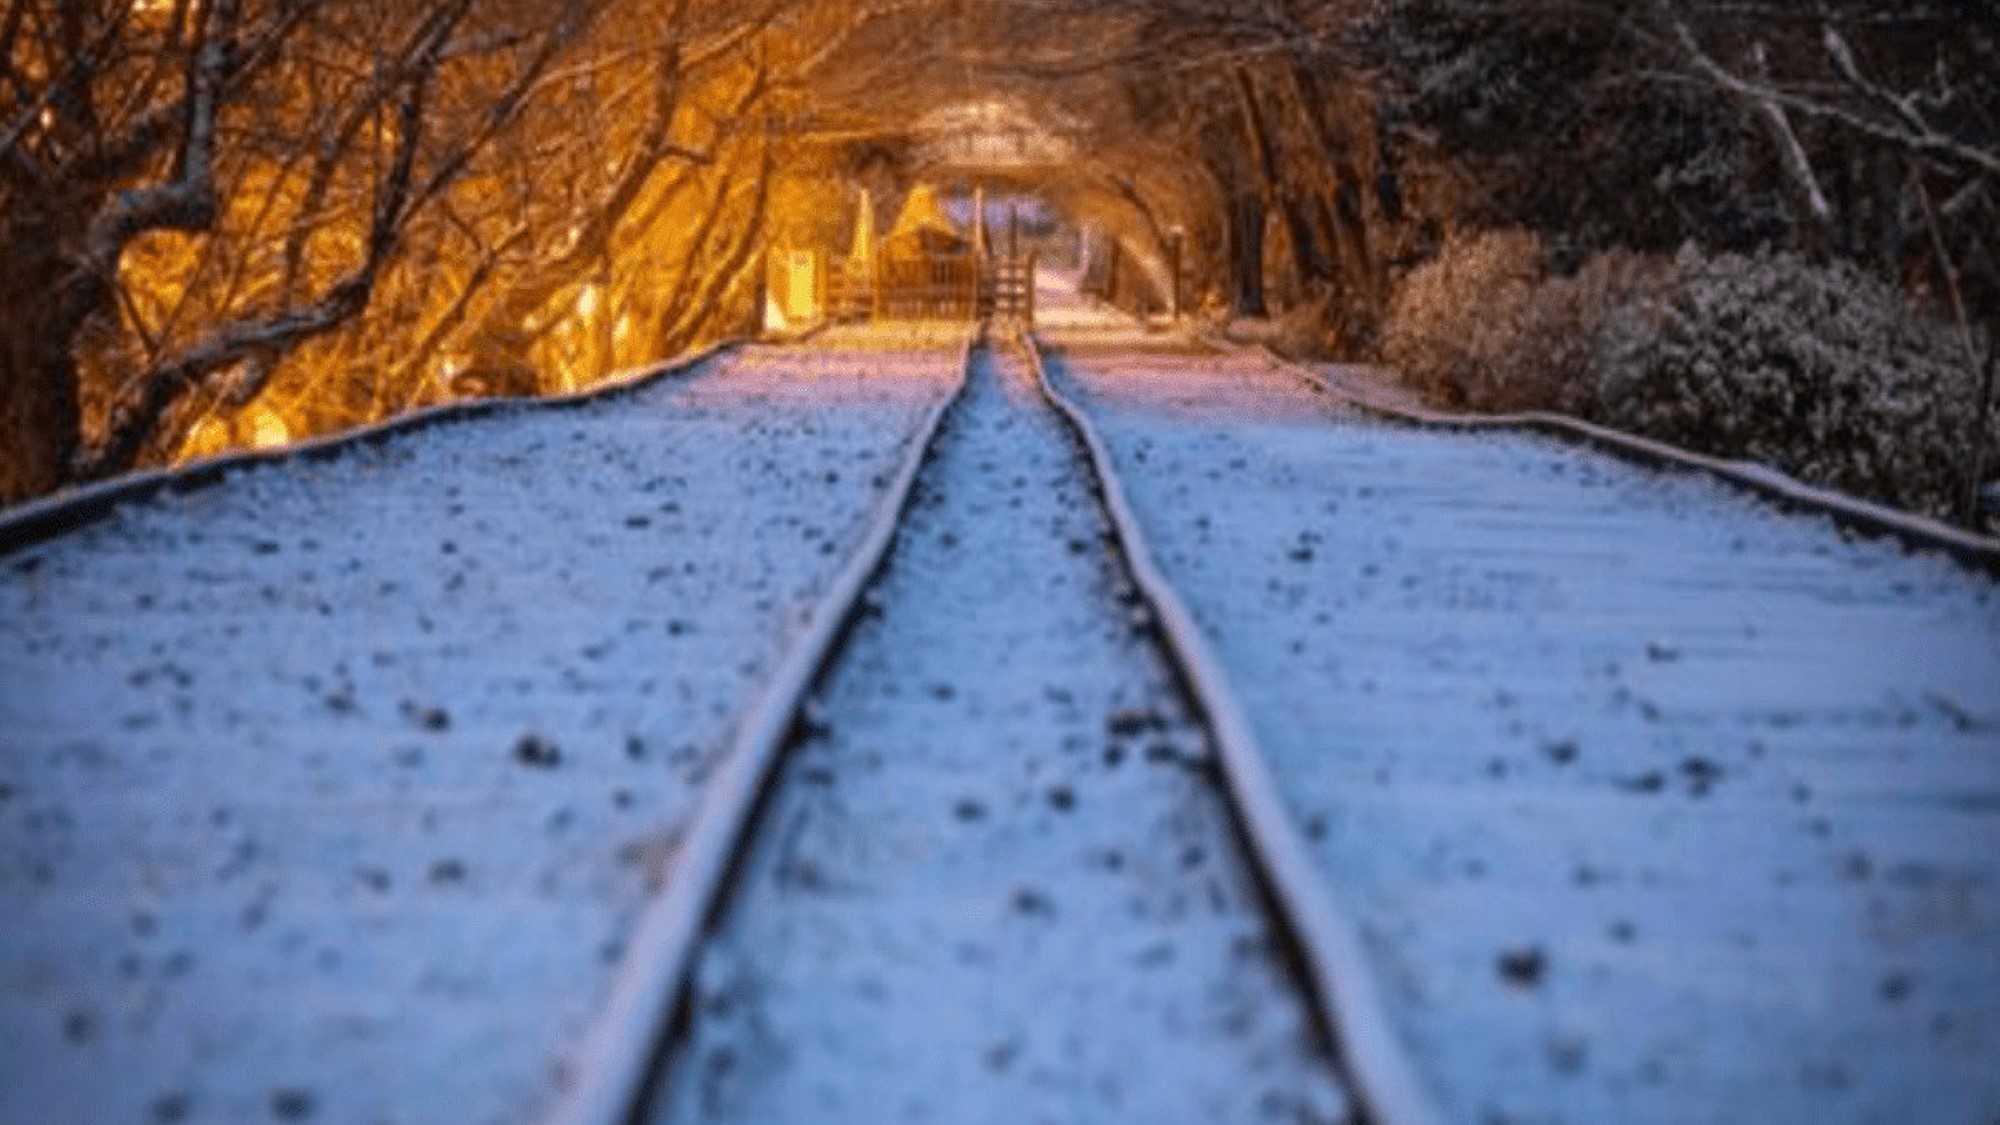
931,288
940,287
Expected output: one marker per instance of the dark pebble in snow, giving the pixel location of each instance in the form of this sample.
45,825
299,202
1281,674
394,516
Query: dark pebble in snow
1078,546
374,878
1062,798
1701,770
79,1026
968,810
448,871
942,691
1624,933
431,718
1566,1052
1131,721
169,1108
1522,968
1113,755
1301,554
7,791
1028,900
634,748
1661,654
1561,753
1652,781
1001,1055
292,1104
264,547
538,752
1896,987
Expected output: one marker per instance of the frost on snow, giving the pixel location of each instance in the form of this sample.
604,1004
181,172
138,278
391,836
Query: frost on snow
332,791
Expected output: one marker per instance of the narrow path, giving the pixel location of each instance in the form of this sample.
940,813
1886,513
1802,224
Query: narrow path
1655,804
996,884
331,792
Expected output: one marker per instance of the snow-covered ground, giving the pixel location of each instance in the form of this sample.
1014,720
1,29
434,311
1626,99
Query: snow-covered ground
997,884
1655,805
331,792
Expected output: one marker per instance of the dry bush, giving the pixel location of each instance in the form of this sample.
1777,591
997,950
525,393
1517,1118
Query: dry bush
1480,328
1452,318
1550,364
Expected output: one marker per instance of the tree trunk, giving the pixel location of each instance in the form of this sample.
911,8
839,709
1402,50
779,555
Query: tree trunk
41,309
1346,182
1246,255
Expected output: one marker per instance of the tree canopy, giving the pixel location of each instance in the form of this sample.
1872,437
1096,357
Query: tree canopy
229,221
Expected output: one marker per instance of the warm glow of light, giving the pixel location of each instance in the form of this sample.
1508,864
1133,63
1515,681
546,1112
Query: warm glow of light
996,133
268,429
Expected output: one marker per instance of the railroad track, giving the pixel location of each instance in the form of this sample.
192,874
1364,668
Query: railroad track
841,783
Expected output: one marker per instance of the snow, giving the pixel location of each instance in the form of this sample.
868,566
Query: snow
997,883
1655,805
331,792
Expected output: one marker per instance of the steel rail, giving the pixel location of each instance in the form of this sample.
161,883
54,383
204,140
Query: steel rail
618,1064
1346,1001
1977,552
38,521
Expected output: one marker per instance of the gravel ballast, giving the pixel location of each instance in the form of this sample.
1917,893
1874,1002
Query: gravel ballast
997,882
1654,804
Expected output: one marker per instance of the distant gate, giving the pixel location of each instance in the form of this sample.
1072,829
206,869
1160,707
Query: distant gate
963,287
927,287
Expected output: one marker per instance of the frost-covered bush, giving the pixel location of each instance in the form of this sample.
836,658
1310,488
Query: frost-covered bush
1452,318
1821,371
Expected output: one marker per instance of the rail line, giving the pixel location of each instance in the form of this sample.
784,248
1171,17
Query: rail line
1865,517
1326,943
38,521
634,1033
645,1027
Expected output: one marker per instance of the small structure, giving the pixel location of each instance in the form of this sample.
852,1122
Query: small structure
795,287
925,269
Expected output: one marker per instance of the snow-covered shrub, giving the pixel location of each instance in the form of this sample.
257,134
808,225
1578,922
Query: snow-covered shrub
1821,371
1453,316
